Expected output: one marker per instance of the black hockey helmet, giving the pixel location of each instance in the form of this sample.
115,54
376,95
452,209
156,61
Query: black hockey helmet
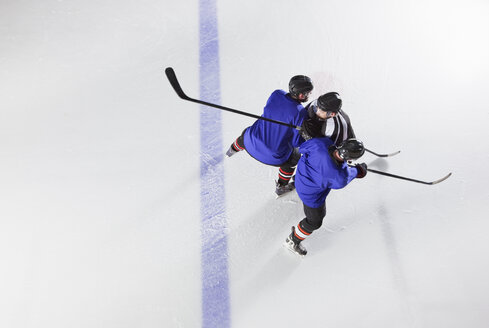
300,84
330,102
351,149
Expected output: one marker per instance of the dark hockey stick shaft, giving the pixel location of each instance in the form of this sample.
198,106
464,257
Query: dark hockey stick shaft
410,179
172,77
170,74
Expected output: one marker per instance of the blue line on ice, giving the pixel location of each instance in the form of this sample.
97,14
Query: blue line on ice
215,280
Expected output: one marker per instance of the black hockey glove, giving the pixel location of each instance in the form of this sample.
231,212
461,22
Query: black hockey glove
362,170
311,128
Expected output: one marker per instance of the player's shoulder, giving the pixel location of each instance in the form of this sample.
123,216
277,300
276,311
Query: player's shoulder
282,99
317,145
278,93
343,113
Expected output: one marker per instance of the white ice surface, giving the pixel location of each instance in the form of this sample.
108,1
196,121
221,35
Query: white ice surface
99,164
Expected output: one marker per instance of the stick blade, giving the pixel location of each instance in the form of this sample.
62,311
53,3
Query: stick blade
392,154
382,155
172,77
440,180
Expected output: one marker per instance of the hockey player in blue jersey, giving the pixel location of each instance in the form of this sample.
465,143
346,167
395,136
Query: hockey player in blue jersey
322,167
275,144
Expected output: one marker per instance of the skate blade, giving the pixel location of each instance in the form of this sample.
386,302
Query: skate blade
291,249
284,194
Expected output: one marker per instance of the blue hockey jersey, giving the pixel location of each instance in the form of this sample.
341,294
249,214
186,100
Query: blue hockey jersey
317,173
272,143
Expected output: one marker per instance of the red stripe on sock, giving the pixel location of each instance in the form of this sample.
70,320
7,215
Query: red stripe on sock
285,173
237,146
299,237
302,230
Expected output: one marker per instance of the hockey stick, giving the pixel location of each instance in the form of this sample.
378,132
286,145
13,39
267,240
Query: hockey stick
170,74
409,179
172,77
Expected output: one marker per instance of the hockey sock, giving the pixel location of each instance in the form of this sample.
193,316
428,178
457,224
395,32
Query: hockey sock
284,176
236,145
300,233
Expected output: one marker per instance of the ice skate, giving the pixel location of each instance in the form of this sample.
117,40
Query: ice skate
294,246
230,151
282,189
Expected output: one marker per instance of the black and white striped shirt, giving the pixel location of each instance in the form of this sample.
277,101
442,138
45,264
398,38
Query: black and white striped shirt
337,128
